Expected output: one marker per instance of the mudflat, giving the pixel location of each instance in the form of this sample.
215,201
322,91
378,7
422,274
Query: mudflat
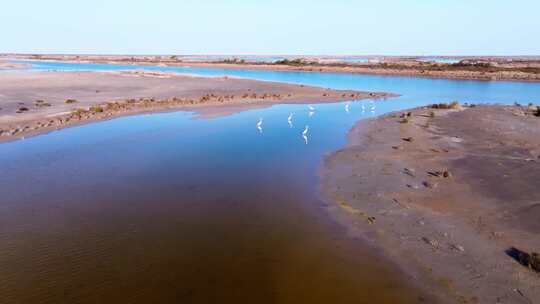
451,195
33,103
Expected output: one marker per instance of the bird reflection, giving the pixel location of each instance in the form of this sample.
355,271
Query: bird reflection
372,108
259,125
311,111
305,133
347,108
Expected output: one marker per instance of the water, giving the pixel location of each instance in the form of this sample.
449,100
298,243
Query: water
352,59
164,208
441,60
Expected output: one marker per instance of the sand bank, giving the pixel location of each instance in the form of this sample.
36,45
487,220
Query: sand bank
33,103
4,65
450,194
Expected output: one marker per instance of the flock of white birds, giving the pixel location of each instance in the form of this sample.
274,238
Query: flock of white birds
311,112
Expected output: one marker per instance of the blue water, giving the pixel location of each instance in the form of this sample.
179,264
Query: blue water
165,208
220,58
441,60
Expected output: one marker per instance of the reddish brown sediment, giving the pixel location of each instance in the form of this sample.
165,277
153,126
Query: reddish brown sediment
34,103
451,195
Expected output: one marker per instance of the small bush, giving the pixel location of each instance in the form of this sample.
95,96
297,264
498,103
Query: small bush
537,113
41,103
298,61
71,101
78,112
454,105
445,106
96,109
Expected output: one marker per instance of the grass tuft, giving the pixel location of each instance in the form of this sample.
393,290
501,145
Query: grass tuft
96,109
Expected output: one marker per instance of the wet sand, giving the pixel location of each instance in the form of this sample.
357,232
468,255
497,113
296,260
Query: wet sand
35,103
451,195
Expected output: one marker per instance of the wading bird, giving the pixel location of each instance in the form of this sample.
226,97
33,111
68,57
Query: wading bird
289,120
304,134
259,125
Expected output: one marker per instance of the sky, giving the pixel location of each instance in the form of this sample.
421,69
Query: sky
316,27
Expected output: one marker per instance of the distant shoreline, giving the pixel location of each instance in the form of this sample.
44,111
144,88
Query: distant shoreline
492,68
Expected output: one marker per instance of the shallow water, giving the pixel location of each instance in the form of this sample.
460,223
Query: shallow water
164,208
441,60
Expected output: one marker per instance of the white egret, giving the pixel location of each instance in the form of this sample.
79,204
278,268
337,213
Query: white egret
305,131
304,134
347,108
259,125
289,120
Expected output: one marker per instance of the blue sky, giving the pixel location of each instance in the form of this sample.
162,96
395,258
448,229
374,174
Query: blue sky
390,27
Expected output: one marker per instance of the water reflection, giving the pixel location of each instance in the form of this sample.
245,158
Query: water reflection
289,120
347,105
372,107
